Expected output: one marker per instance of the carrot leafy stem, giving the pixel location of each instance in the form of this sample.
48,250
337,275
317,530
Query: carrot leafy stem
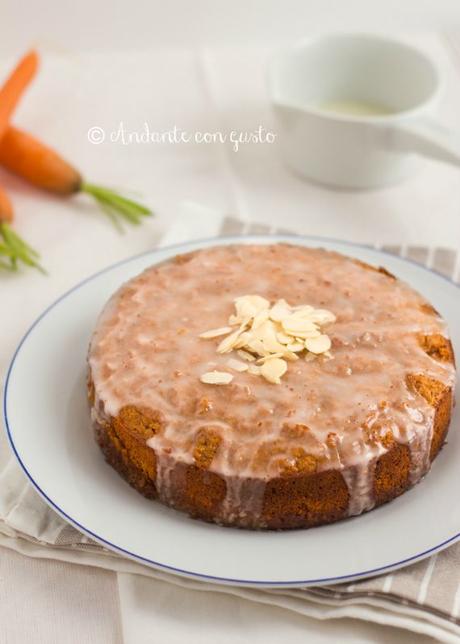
115,205
13,250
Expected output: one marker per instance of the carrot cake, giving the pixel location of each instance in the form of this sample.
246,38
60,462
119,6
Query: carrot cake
270,386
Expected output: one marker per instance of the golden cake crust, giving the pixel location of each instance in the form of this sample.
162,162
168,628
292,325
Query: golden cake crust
292,501
303,493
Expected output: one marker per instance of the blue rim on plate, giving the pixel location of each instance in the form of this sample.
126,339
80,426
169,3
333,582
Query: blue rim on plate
189,573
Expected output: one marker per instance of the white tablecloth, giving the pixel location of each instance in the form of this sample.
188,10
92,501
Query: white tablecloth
203,90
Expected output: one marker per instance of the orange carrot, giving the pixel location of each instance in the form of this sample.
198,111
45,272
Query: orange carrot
6,208
24,155
13,88
12,248
27,157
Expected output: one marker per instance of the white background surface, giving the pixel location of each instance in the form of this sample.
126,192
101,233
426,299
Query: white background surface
149,24
211,77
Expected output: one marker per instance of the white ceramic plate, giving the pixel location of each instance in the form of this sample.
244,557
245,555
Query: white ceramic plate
46,417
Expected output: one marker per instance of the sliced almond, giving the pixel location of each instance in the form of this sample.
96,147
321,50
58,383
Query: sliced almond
237,365
322,316
283,337
297,326
262,329
272,370
257,347
215,333
290,356
321,344
254,370
243,339
280,310
216,378
229,342
270,356
267,334
303,313
245,355
296,347
250,305
259,319
303,309
303,335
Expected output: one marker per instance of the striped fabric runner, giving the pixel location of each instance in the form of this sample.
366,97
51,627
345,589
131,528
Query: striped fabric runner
442,260
431,586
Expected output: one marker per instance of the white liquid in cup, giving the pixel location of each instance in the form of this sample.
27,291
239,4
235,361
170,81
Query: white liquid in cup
352,107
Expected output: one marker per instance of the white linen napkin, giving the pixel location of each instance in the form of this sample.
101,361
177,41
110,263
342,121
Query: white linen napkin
423,598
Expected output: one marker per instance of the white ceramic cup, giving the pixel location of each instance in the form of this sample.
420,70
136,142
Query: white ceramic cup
351,150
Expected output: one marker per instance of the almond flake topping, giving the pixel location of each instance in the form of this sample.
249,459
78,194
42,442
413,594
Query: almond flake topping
273,369
271,335
244,355
215,333
321,344
216,378
237,365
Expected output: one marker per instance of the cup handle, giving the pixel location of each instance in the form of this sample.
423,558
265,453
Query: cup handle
428,138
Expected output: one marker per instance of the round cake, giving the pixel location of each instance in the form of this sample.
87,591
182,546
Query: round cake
270,386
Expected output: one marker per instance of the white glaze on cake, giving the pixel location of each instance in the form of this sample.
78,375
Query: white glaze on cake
146,352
